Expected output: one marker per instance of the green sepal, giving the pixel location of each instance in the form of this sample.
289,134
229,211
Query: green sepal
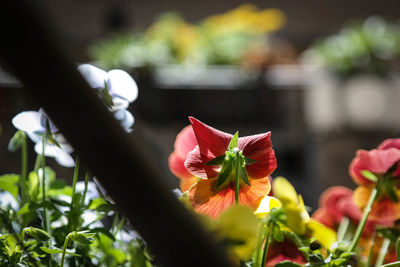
277,234
390,233
216,161
234,141
249,161
243,174
82,237
390,189
369,175
225,171
38,234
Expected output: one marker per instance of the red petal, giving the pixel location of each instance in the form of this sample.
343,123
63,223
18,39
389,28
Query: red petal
195,163
177,167
330,199
185,141
212,142
207,199
258,147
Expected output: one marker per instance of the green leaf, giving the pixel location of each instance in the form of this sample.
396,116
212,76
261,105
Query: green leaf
16,141
8,182
339,262
53,250
234,141
97,202
216,161
104,231
24,210
225,171
390,189
249,161
288,264
369,175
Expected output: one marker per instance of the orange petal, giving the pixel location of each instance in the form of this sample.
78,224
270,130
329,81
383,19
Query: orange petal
207,199
185,184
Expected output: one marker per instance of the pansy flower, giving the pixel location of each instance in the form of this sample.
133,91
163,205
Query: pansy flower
37,126
116,88
213,160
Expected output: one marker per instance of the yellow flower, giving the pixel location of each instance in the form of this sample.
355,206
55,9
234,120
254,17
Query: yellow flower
298,219
267,203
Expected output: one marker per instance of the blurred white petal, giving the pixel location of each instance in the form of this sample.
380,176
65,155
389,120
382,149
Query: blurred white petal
94,76
126,119
61,156
29,122
7,199
121,84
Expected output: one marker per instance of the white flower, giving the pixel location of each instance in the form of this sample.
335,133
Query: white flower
119,85
34,124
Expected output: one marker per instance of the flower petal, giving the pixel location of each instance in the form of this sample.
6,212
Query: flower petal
195,164
125,119
330,198
121,84
389,143
185,142
60,155
207,199
212,142
29,122
177,166
93,75
258,147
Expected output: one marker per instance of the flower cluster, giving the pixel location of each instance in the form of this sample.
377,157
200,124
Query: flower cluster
116,89
225,177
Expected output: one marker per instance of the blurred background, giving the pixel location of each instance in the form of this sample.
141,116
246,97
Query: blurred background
322,76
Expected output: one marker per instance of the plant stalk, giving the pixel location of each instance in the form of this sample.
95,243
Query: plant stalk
361,225
24,169
64,250
266,246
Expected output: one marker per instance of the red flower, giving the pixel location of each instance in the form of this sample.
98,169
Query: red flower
210,198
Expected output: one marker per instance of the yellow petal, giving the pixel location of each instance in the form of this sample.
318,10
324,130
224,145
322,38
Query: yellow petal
325,236
284,191
240,225
267,203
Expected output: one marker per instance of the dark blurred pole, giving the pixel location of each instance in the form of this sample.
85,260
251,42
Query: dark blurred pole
29,51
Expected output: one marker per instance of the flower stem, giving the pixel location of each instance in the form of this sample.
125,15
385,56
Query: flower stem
382,252
266,246
344,224
237,185
74,181
396,263
64,250
369,261
87,176
398,249
24,167
361,225
43,166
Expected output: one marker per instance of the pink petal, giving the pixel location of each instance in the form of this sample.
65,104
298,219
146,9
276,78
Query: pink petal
330,199
389,143
195,163
212,142
355,169
185,142
259,147
177,167
379,161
